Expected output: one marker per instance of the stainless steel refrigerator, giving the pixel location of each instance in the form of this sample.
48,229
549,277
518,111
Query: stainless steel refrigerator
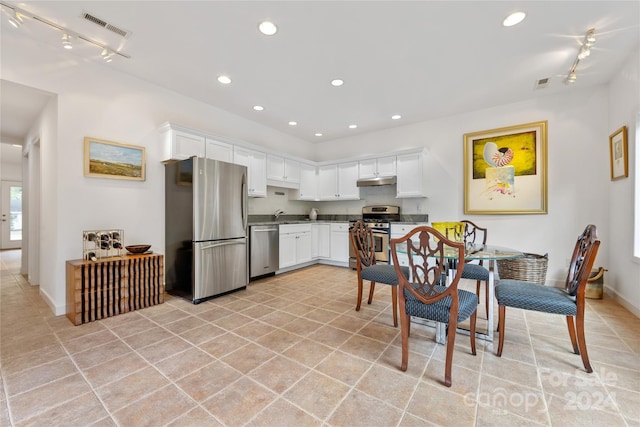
206,246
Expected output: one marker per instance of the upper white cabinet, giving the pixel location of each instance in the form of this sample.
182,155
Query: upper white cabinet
308,183
411,175
179,145
338,182
256,163
380,167
218,150
283,172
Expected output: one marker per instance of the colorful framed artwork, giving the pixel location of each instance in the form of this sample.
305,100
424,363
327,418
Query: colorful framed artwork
505,170
618,154
106,159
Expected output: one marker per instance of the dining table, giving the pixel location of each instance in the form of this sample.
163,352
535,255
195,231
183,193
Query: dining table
489,254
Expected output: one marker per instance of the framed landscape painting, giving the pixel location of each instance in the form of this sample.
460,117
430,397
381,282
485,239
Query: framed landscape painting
505,170
106,159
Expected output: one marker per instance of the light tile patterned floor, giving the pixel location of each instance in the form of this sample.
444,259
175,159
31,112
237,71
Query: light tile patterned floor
292,351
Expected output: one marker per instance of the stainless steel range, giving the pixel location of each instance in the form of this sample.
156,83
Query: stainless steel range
378,218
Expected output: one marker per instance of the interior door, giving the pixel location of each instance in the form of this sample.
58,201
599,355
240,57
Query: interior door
11,208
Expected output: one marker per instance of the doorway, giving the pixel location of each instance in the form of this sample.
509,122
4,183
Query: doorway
11,211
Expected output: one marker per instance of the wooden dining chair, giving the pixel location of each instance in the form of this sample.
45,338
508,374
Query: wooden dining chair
363,244
568,302
476,235
429,293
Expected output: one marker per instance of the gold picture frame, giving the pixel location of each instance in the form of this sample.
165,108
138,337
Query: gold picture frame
107,159
618,154
505,170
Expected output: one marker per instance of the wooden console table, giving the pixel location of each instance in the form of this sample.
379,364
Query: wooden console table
112,286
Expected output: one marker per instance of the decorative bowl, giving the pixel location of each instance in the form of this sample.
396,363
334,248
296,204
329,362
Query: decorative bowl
137,249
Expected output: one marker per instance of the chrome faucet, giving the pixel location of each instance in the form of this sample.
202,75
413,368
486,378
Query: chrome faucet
277,213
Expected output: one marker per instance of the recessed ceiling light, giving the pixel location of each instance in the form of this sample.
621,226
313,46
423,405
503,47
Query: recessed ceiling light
337,82
514,19
293,123
268,28
353,126
396,117
225,80
318,134
258,107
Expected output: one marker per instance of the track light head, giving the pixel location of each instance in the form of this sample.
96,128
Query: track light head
15,19
107,55
66,41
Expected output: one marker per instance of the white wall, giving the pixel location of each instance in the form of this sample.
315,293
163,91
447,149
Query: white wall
623,276
577,170
10,163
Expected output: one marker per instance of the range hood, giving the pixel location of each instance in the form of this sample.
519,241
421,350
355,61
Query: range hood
375,182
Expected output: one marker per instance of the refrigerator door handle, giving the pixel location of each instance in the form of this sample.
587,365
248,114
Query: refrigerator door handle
224,243
243,195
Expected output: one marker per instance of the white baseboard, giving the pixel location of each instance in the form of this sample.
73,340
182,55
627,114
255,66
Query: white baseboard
57,310
621,300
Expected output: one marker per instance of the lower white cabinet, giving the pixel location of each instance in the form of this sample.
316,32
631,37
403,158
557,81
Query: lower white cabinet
320,241
340,242
295,244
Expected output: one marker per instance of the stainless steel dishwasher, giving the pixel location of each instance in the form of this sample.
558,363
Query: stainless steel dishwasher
264,243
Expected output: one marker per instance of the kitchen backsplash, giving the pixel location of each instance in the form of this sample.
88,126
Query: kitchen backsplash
278,198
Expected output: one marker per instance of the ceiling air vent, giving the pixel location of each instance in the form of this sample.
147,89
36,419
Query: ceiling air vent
542,83
104,24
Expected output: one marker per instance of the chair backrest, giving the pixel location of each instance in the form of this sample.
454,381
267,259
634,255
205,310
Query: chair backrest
584,255
428,252
474,233
363,244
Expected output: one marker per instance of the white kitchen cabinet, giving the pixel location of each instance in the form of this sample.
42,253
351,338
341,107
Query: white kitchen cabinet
411,175
179,145
308,183
218,150
256,163
338,181
295,244
320,241
340,242
376,168
283,172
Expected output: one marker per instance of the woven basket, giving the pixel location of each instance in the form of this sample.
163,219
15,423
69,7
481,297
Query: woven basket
529,268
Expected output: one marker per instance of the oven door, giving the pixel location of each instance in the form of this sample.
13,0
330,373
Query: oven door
381,239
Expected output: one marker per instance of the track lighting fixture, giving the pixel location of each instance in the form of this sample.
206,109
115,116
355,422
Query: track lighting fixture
107,55
585,50
66,41
16,18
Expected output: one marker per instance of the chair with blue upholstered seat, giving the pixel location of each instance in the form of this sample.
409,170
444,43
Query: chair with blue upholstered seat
363,244
429,293
476,236
568,302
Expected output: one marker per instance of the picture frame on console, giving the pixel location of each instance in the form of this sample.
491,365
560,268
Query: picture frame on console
618,154
505,170
107,159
